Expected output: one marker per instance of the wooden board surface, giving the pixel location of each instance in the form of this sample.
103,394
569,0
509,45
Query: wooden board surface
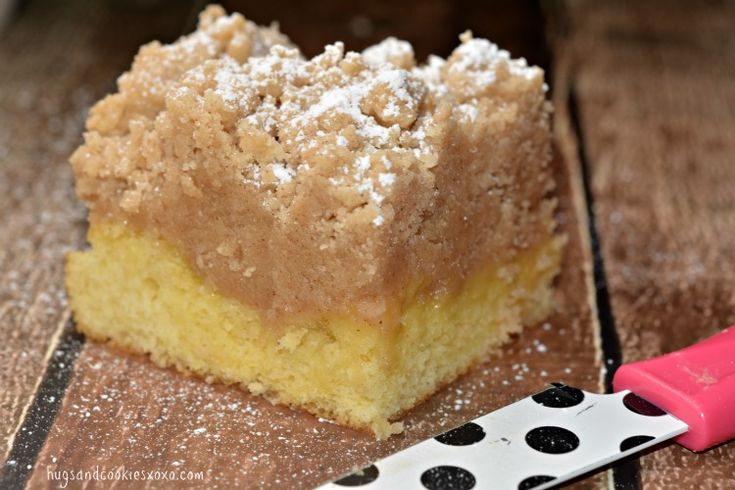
122,410
654,98
657,180
47,83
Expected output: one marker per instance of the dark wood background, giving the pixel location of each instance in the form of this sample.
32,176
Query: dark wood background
644,97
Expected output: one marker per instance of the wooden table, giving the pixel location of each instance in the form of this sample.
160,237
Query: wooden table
645,129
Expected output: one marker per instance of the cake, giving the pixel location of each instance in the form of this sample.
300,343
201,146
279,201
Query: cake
343,234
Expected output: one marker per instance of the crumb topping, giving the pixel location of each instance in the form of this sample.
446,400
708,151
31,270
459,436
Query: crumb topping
343,145
390,51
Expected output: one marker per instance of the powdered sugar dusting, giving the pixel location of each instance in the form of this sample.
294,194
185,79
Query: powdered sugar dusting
468,112
389,51
397,81
339,102
478,61
431,74
386,179
283,173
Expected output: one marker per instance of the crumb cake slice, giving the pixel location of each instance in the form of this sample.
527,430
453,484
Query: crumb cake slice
344,234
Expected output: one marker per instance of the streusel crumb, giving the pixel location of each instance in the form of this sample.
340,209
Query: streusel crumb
326,184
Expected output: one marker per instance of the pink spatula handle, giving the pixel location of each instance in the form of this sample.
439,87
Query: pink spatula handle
695,384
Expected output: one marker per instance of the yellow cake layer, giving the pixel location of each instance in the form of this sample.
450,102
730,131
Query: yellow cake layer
140,292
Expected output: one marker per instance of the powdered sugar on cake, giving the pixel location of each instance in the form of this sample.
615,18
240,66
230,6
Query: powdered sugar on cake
391,51
353,105
338,116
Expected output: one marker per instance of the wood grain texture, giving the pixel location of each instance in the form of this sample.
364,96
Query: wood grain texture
654,92
654,88
47,82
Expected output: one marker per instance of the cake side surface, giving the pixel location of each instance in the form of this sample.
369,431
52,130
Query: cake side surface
139,292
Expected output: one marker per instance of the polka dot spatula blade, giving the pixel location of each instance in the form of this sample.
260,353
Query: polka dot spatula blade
562,432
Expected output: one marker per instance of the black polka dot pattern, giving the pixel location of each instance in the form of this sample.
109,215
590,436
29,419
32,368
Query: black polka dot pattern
559,396
447,478
534,481
636,404
359,478
540,441
634,441
464,435
550,439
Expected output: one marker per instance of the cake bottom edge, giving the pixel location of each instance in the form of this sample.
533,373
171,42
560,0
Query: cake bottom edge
139,293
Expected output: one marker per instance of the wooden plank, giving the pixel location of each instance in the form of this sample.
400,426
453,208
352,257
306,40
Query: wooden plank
121,410
655,97
57,58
